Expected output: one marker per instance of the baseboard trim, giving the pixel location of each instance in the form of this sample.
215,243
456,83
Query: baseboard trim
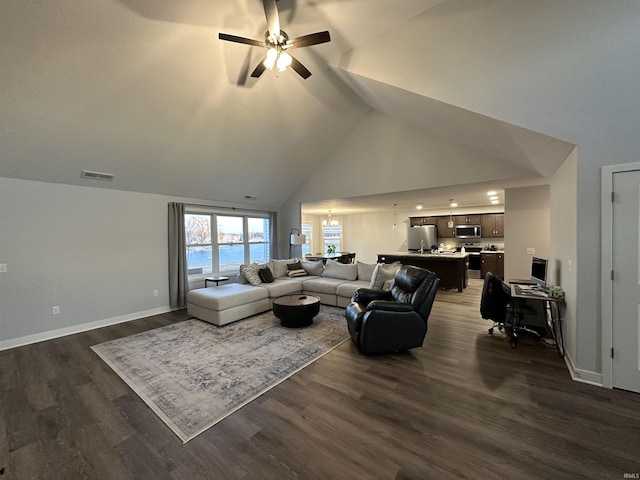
83,327
584,376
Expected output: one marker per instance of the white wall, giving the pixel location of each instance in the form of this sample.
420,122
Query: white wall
564,268
526,225
98,254
565,69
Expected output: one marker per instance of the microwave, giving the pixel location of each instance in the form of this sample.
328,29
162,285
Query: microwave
468,231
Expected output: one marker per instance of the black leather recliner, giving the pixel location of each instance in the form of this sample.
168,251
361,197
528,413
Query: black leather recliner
382,321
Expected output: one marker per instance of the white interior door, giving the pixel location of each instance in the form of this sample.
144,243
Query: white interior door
626,281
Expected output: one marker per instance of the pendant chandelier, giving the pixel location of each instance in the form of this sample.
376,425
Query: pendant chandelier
329,221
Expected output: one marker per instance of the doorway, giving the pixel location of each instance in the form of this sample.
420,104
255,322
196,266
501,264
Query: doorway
621,277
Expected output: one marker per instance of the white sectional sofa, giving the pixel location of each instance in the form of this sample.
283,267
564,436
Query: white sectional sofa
334,284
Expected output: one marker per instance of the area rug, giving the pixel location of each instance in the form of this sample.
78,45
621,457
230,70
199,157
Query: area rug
193,374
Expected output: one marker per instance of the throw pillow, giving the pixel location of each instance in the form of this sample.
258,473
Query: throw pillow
265,275
279,267
365,270
294,266
382,273
251,273
297,273
313,267
343,271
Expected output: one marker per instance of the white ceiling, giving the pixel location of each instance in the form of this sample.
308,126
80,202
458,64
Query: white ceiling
143,89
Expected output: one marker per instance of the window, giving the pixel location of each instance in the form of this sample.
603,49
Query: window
306,230
198,238
332,235
221,243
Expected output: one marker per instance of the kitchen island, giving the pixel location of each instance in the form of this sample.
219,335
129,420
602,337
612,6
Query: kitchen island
451,268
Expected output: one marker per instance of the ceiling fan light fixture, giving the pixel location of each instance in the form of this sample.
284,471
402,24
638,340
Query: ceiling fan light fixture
284,60
270,59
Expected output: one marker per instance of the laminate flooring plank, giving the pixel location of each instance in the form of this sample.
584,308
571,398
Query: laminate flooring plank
142,462
105,414
466,405
96,452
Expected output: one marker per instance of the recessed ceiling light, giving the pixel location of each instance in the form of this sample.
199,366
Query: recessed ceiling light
495,201
419,207
493,198
491,193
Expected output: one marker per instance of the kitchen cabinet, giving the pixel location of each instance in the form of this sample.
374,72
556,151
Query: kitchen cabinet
443,228
415,221
467,219
492,262
493,225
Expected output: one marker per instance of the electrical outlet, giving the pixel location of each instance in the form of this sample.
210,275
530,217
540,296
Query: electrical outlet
55,310
531,251
3,268
570,265
155,293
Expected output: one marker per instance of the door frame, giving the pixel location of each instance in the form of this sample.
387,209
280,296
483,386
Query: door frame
606,255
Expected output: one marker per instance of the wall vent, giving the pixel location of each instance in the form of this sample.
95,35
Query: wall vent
97,175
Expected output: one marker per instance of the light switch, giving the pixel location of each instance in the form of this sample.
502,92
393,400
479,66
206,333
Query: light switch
3,268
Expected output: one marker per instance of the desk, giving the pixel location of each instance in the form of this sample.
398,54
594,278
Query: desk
552,307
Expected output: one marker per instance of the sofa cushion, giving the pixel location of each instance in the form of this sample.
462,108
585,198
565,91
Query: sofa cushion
347,289
384,273
282,286
226,296
344,271
365,270
279,267
323,285
315,267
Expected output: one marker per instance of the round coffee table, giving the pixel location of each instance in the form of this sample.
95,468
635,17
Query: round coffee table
295,311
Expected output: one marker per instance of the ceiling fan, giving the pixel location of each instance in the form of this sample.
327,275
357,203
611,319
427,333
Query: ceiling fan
277,43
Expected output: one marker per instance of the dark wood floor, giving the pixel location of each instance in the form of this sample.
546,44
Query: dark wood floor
465,405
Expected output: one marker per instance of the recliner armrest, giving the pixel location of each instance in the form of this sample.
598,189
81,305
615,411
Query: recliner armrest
390,306
367,295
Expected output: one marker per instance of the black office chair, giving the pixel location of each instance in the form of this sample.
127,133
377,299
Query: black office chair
496,304
495,301
382,321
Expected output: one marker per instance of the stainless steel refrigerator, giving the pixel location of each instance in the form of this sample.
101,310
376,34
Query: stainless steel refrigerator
423,236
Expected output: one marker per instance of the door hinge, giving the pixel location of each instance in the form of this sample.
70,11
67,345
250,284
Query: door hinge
612,356
613,197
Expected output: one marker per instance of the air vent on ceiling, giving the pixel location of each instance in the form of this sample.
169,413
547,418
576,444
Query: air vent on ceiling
97,175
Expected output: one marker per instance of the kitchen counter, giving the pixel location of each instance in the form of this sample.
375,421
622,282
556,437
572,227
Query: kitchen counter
451,268
492,251
455,255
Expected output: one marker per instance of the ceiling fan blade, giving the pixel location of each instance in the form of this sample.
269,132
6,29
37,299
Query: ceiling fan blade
299,68
259,69
273,19
234,38
311,39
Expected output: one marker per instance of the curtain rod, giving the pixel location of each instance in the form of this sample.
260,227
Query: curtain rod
228,208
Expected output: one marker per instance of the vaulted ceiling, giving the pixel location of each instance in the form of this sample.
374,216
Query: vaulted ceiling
144,90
